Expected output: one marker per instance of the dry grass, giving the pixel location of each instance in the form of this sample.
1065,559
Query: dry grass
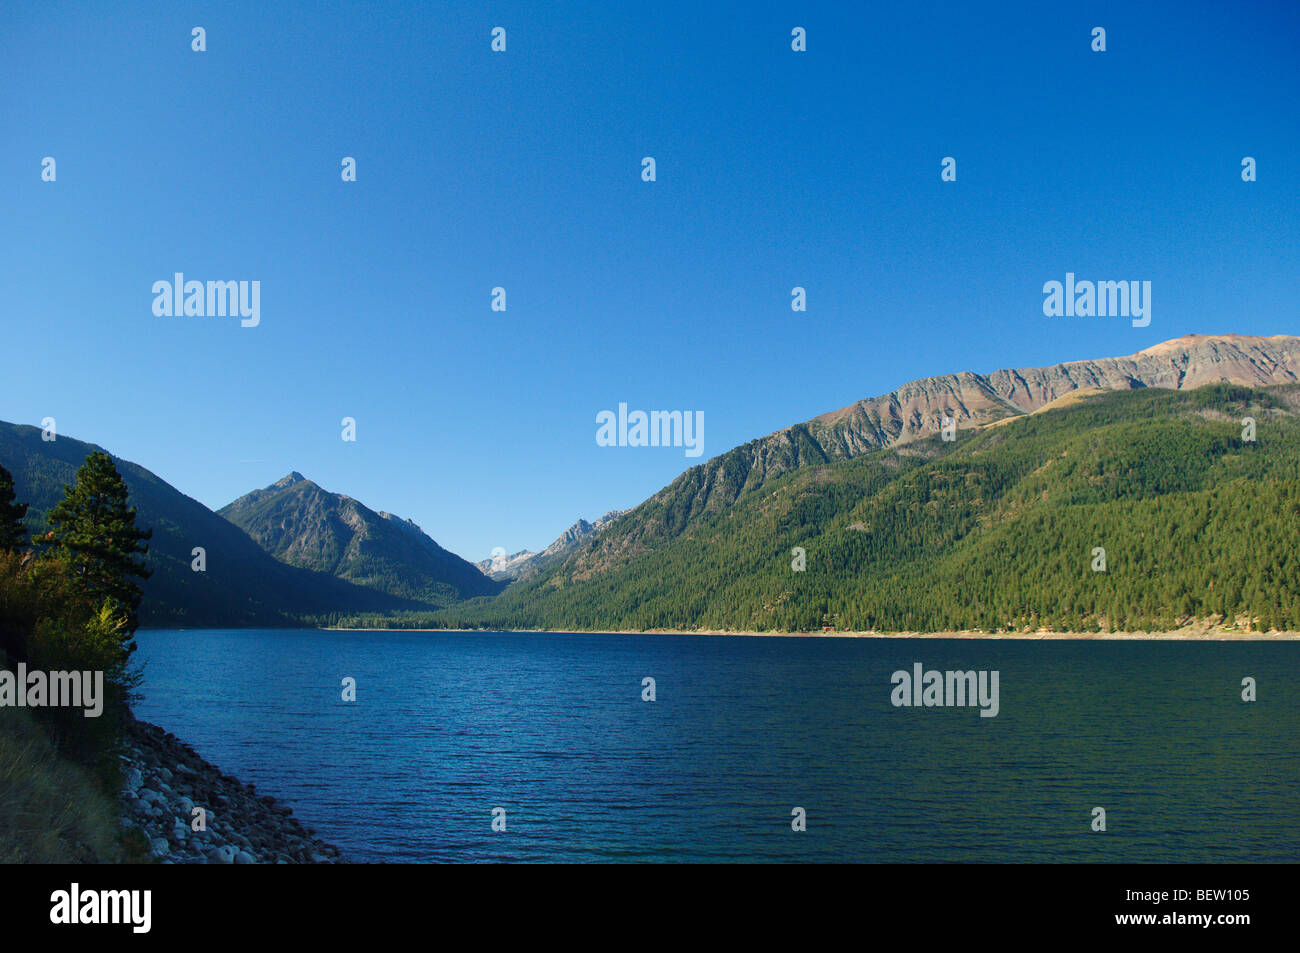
1065,400
51,810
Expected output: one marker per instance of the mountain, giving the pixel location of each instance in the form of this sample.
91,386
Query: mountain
999,529
506,567
916,411
242,585
526,564
303,525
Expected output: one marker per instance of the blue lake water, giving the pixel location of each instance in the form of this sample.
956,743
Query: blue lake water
552,727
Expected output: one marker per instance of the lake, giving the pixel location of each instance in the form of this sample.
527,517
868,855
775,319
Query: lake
552,728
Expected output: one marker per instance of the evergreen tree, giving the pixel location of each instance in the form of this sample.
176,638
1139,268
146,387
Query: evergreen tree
13,535
95,531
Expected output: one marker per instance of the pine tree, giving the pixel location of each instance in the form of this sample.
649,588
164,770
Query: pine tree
95,531
13,535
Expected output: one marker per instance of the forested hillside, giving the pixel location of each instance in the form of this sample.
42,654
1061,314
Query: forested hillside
918,409
994,531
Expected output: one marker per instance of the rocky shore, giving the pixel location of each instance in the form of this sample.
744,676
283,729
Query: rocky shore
165,780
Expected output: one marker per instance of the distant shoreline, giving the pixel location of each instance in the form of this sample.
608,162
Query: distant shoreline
1190,634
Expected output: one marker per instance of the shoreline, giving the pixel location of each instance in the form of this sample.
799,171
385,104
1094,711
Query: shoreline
1186,634
165,781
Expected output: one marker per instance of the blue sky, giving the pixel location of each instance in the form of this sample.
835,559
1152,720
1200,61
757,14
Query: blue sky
522,170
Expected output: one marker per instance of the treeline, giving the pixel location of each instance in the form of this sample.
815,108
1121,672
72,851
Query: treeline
1004,529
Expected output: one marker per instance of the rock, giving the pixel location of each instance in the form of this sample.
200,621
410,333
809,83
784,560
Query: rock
134,780
222,855
244,857
159,847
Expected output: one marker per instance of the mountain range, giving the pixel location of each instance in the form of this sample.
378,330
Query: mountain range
917,410
670,561
294,551
1146,509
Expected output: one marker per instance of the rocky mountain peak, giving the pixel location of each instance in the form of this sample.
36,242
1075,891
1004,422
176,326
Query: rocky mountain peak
526,564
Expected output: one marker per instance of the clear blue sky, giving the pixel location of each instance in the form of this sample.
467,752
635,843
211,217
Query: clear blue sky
478,169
